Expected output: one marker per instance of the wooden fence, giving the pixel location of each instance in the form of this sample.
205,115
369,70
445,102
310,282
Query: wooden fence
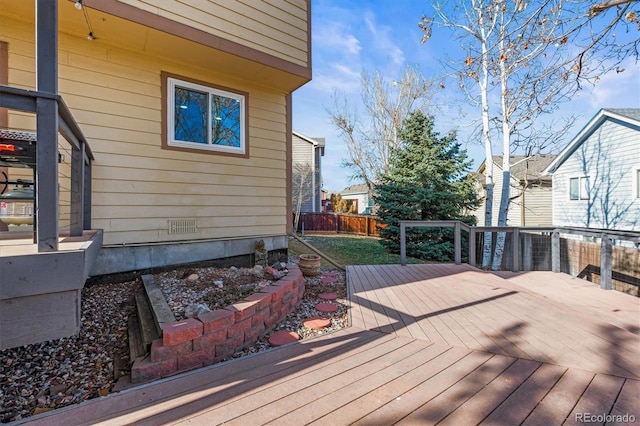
339,223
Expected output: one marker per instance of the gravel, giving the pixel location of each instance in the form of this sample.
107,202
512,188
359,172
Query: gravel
57,373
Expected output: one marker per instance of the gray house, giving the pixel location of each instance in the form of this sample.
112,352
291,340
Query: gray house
596,178
306,172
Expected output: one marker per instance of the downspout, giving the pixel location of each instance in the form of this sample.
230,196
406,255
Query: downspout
313,177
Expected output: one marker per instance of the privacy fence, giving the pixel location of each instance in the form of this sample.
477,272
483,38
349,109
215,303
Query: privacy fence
338,223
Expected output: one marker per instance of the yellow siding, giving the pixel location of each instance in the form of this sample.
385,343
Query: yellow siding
115,95
276,28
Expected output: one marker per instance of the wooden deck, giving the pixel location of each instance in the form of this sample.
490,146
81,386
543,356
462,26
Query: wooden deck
429,344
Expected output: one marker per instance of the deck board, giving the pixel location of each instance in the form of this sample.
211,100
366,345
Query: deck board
427,344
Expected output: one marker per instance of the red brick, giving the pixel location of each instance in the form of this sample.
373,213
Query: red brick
260,316
216,320
251,335
286,299
238,328
243,309
197,359
274,291
229,346
160,352
275,307
144,370
273,319
263,300
210,339
181,331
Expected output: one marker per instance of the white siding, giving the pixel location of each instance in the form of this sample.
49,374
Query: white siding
608,156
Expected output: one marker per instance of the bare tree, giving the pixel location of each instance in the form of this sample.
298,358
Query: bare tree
387,104
302,188
529,50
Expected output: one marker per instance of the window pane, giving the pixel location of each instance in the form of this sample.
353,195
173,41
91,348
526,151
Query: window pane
190,116
584,188
225,123
574,189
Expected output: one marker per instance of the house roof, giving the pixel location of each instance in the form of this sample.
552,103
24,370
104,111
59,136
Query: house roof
360,188
629,116
314,141
523,167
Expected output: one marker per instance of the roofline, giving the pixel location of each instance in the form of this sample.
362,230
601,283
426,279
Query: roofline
306,138
600,117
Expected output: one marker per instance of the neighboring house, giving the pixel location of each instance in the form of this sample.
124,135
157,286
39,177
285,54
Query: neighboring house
596,178
530,191
360,198
179,118
306,173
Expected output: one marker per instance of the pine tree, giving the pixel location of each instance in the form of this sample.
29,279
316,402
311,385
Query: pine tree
427,180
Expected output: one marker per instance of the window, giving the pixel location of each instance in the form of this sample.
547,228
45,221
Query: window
579,188
206,118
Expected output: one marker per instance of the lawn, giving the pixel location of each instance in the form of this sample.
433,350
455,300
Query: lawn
348,250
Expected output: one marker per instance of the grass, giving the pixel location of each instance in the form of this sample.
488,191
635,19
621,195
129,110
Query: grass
348,250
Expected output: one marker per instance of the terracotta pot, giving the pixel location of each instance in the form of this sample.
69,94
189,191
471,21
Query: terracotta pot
309,264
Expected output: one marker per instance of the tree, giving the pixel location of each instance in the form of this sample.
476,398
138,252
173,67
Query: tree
341,205
426,180
302,189
528,51
387,105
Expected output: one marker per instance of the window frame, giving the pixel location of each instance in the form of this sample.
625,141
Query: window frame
169,83
583,188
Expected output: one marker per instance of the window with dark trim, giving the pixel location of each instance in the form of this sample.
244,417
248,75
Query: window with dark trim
200,116
579,188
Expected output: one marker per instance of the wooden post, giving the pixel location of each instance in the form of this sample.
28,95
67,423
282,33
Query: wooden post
403,244
527,252
555,251
605,263
472,246
46,173
515,249
457,243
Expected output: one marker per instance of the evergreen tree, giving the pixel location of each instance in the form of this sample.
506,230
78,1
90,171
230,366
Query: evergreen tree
426,181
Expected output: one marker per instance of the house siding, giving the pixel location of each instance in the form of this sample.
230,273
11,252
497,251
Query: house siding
608,156
513,216
276,28
115,95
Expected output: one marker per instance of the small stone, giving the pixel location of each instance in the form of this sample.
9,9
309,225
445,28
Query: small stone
258,270
103,392
218,283
193,277
196,310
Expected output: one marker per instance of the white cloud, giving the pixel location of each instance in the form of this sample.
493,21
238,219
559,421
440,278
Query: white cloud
382,40
615,90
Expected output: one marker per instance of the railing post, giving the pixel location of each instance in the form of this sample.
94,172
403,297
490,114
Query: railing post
403,244
515,247
527,252
472,246
457,244
555,251
605,263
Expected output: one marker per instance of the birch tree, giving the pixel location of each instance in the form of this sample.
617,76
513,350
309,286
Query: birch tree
370,139
530,55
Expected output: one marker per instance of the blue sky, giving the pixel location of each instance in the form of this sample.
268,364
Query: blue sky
349,36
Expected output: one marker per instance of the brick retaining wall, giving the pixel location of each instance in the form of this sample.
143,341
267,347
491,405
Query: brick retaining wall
215,336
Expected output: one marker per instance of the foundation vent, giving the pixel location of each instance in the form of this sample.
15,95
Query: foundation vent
182,226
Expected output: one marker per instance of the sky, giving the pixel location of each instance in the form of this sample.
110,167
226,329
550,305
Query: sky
352,36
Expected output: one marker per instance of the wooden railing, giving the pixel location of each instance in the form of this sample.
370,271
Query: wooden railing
525,244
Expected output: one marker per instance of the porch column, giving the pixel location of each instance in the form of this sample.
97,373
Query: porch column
46,173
